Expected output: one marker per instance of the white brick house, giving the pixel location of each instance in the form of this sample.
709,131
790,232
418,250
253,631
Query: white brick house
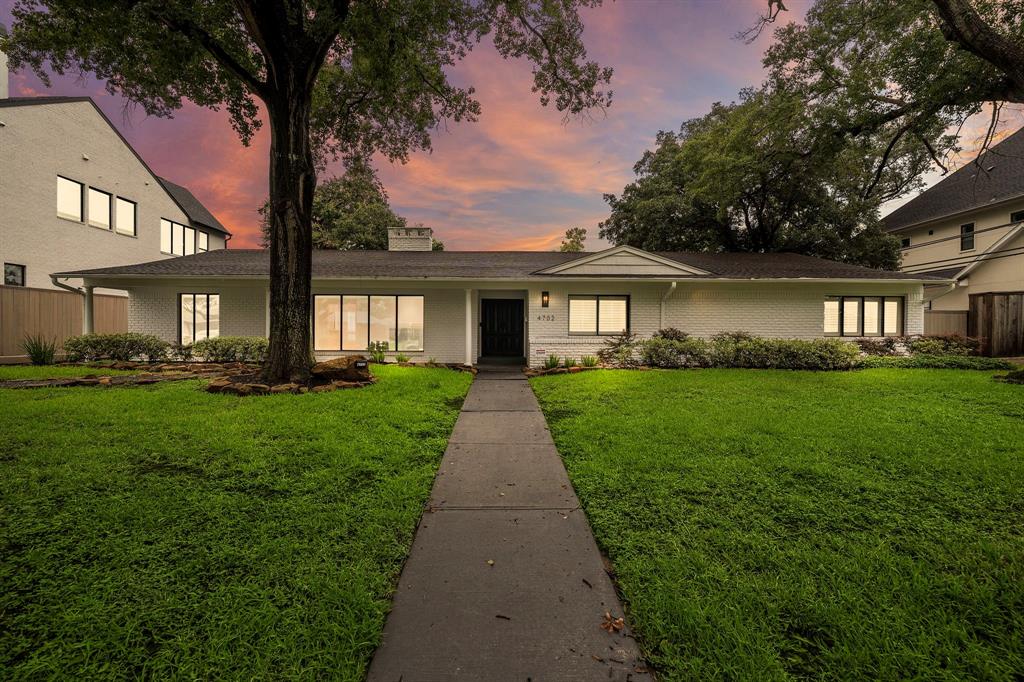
468,306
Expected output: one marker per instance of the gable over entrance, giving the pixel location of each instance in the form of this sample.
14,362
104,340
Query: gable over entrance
624,261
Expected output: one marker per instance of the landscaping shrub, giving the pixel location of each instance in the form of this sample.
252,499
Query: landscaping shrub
664,352
551,362
671,334
376,349
568,362
925,361
953,344
879,346
1014,377
232,349
122,347
620,351
180,353
40,351
819,354
401,357
588,361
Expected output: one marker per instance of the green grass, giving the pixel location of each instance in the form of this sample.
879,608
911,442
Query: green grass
164,532
773,525
8,372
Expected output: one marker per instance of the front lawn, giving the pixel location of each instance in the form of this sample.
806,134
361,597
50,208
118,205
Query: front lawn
164,532
772,524
8,372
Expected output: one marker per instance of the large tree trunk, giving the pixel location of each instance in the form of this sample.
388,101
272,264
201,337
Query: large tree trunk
292,181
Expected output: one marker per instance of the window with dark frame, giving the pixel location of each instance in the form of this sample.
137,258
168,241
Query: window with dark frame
175,238
14,275
905,243
99,208
351,322
967,237
198,317
124,217
70,199
1016,216
598,315
856,316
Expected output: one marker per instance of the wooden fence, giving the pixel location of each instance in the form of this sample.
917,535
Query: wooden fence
52,314
945,322
998,319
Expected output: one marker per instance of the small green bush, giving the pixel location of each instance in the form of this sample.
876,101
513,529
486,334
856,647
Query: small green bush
620,351
40,351
122,347
588,361
819,354
377,349
671,334
953,344
551,362
668,353
925,361
401,357
180,353
569,362
232,349
879,346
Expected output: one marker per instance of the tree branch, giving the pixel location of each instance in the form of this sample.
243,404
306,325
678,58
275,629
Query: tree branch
963,25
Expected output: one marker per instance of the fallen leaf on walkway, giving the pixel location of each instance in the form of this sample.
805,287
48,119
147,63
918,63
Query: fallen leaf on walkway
612,625
597,658
490,562
498,615
587,583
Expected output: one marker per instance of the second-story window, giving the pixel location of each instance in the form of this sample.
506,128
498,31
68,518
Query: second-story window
99,208
124,216
203,245
905,243
1016,216
967,237
176,239
69,199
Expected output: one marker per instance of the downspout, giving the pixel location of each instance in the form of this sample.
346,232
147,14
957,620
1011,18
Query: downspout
661,314
74,290
87,303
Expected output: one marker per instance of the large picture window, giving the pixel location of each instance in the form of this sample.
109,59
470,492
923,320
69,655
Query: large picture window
69,199
863,316
353,322
200,317
598,315
124,217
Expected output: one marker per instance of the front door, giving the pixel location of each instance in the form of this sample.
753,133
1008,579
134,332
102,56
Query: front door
501,327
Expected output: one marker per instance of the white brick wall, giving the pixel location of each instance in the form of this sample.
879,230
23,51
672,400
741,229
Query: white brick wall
783,310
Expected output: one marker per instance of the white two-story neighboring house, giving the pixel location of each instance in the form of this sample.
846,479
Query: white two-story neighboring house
73,191
970,227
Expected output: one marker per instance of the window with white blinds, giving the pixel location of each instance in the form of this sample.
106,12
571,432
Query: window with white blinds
598,315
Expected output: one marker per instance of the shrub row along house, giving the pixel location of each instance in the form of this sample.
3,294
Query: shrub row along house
468,307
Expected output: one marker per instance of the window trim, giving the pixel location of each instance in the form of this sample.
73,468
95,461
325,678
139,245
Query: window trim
597,314
901,314
81,201
207,294
341,335
967,233
110,210
135,218
24,274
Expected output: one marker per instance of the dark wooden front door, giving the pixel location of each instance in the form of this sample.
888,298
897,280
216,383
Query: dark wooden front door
501,327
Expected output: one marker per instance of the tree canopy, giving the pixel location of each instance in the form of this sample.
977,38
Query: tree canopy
574,240
335,78
757,175
350,212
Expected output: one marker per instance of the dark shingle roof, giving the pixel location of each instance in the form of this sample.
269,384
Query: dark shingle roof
192,207
481,265
997,176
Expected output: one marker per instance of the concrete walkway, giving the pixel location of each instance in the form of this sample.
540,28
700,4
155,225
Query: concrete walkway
504,581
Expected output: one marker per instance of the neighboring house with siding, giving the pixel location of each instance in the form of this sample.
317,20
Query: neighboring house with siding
968,227
75,193
467,307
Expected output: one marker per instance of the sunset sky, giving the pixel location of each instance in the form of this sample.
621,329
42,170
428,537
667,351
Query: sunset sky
518,177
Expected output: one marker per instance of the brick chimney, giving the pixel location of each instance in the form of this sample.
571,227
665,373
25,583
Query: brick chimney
410,239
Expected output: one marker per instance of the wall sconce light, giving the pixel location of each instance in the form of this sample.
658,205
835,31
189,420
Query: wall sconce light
545,299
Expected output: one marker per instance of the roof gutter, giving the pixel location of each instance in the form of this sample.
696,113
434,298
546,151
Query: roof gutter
68,287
